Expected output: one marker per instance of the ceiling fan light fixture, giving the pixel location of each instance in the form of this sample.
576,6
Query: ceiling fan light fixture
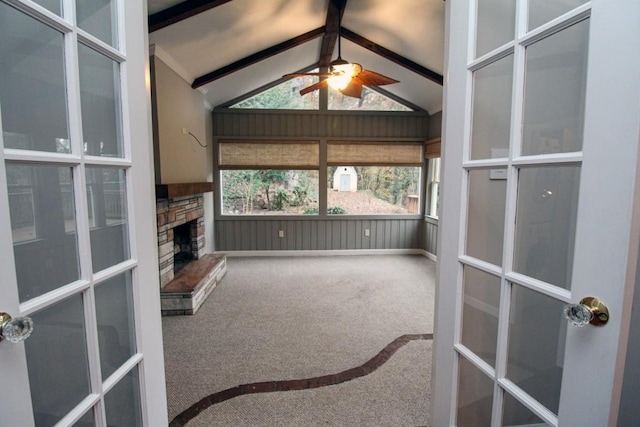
343,72
339,82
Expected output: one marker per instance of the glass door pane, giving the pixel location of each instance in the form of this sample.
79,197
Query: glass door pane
485,227
116,328
536,345
496,24
491,125
58,360
546,222
100,100
98,18
107,199
43,225
480,313
556,76
543,11
475,396
33,98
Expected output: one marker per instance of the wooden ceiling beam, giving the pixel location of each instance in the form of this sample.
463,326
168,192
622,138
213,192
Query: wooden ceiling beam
332,25
392,56
257,57
180,12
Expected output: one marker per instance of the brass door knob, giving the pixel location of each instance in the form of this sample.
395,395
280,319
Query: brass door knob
589,310
15,329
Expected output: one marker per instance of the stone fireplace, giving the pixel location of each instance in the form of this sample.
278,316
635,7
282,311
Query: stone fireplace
181,218
187,274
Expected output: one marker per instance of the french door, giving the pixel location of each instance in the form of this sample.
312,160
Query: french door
540,209
81,339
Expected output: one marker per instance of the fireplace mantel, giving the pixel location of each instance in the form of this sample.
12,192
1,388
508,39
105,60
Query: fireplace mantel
172,191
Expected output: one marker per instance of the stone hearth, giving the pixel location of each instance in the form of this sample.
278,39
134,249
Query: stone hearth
192,285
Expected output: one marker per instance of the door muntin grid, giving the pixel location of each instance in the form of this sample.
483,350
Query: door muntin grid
524,172
54,157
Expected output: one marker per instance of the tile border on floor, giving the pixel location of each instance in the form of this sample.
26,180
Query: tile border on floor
300,384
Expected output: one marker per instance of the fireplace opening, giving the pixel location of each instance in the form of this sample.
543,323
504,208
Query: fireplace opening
182,246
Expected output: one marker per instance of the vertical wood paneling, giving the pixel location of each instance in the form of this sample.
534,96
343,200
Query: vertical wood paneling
334,234
274,123
351,234
431,237
322,235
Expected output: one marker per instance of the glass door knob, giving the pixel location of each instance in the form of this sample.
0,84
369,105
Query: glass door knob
589,310
15,329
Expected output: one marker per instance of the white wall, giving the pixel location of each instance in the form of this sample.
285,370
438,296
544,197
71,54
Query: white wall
179,106
180,158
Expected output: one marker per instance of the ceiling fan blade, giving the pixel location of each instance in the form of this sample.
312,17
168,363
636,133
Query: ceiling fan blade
308,74
353,89
320,84
370,78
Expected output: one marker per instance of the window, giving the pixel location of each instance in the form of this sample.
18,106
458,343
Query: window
370,101
282,178
269,177
285,96
269,192
433,187
373,190
373,178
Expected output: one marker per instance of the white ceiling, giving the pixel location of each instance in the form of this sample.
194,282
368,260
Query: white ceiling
227,33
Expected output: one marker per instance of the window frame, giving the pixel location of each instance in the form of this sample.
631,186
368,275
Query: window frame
322,177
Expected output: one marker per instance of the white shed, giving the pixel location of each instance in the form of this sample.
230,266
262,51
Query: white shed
345,178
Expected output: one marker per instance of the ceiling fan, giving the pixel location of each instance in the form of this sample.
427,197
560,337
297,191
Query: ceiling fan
346,77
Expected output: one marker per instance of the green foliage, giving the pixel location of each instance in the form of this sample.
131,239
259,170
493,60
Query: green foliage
391,184
336,210
239,189
300,195
280,199
284,96
267,178
370,101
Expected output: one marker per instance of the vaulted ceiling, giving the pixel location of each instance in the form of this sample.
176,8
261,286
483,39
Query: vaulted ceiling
227,48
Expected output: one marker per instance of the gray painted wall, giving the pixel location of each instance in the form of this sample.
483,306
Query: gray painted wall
629,409
317,234
435,125
358,125
430,240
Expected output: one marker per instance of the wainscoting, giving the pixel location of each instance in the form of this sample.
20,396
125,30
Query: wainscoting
318,234
431,235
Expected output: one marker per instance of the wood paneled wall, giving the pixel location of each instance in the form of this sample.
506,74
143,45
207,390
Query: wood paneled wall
431,236
320,124
317,234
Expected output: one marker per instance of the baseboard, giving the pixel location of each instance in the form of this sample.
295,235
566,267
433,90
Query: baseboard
429,255
295,253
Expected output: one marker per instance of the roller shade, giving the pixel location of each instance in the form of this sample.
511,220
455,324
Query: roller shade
433,149
374,154
269,155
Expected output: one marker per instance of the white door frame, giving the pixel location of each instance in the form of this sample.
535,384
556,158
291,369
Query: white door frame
612,130
15,404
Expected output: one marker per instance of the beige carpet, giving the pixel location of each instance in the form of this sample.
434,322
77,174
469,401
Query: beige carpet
292,318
